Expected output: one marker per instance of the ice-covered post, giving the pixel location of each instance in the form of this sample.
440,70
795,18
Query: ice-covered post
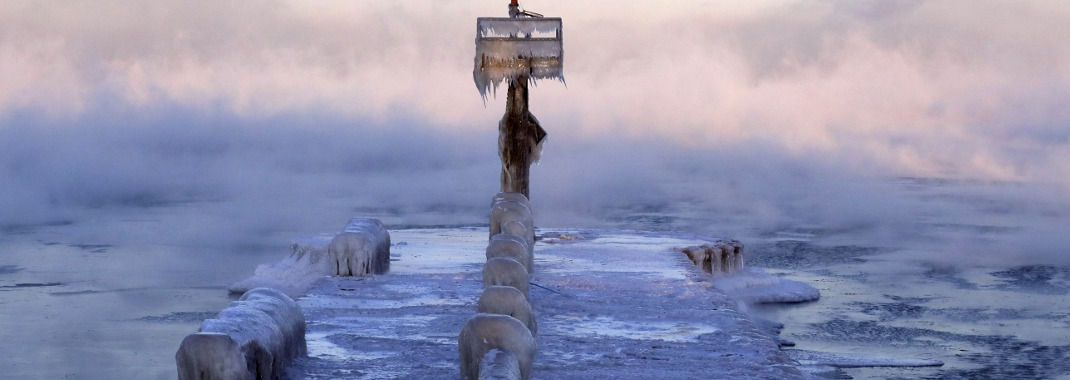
519,136
523,47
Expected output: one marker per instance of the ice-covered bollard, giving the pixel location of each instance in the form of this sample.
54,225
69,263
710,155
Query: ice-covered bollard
512,207
310,259
352,254
362,248
485,332
375,228
211,356
499,365
506,272
506,245
507,300
722,257
285,313
254,338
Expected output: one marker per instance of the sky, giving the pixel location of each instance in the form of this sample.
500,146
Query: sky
801,107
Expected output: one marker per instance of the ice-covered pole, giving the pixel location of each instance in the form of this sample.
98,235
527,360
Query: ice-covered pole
517,50
519,136
519,133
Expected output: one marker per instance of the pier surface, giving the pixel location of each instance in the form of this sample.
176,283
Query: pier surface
610,305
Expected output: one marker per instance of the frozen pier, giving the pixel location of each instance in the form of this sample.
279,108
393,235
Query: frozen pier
611,305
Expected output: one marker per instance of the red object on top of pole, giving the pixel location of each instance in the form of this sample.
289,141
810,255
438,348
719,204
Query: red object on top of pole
514,9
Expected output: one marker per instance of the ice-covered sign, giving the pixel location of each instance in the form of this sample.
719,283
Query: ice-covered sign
507,48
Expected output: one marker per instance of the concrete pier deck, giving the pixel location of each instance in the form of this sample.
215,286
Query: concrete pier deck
610,305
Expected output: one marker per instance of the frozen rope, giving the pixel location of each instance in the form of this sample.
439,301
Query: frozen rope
554,291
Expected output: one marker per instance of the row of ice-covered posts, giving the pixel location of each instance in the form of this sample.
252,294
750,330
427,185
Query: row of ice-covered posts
499,341
257,336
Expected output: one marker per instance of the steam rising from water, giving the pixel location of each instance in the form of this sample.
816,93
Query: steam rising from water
717,118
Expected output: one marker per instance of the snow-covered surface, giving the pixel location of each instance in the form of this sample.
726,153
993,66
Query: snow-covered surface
609,304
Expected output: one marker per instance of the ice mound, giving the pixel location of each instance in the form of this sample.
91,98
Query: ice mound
311,259
754,285
724,260
308,261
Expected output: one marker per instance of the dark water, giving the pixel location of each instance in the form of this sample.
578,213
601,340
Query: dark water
111,291
957,291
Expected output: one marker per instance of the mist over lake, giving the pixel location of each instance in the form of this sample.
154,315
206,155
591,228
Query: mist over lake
152,154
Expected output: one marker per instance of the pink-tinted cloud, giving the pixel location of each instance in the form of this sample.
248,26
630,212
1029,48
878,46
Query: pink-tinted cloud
973,88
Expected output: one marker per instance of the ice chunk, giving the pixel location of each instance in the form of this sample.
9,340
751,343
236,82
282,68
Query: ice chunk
753,285
724,259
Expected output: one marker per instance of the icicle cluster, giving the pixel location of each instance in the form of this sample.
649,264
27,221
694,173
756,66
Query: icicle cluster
722,257
507,48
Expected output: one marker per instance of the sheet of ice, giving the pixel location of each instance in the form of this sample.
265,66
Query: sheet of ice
617,304
806,357
606,326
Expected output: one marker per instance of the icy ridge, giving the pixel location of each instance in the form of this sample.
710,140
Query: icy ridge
253,338
311,259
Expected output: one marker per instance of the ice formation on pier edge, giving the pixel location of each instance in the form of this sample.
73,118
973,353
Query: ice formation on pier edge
721,257
724,260
254,338
310,259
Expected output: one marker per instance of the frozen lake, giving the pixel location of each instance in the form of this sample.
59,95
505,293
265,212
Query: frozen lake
112,291
910,159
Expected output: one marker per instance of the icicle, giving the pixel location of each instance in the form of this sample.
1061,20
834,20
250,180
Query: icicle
507,48
720,258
